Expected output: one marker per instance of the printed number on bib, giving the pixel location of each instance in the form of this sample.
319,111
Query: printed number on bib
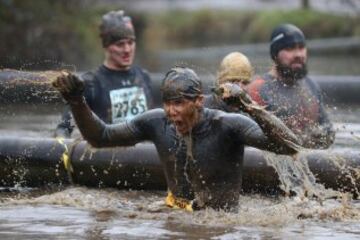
126,103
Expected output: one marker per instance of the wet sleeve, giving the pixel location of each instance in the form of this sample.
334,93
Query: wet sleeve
99,134
250,133
254,89
66,126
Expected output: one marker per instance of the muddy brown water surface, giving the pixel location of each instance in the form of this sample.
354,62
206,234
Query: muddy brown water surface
75,212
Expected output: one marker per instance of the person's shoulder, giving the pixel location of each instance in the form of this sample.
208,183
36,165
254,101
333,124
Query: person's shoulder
314,86
256,88
88,77
311,82
140,70
142,74
232,120
257,82
211,101
156,113
217,114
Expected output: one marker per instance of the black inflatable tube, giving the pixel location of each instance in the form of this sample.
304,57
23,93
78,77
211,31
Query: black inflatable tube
34,87
36,162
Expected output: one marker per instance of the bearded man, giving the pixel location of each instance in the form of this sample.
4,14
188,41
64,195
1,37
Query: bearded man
287,91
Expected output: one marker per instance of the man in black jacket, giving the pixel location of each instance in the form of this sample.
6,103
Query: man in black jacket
117,90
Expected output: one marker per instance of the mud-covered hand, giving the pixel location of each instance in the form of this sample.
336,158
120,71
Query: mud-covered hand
69,85
235,95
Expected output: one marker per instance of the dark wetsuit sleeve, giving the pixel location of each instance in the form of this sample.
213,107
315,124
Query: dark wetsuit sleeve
66,126
99,134
249,133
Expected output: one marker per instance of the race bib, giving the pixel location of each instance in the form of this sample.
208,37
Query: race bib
126,103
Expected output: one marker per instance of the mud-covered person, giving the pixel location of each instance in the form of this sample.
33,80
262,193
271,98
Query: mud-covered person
201,150
287,92
234,68
117,90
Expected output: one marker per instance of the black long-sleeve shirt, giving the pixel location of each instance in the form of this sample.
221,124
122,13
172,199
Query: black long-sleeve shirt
114,96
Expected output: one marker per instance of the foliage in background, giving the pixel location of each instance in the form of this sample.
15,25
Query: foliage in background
46,34
195,29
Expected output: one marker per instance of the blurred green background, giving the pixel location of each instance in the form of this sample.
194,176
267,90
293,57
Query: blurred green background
49,34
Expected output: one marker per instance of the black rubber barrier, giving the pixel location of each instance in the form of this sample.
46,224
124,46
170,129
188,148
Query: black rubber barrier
34,87
37,162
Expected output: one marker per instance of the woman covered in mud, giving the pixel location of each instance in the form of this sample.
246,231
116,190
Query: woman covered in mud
201,150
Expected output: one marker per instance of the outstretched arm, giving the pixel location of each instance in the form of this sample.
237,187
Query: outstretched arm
94,130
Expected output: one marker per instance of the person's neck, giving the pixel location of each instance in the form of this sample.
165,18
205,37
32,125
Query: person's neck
114,67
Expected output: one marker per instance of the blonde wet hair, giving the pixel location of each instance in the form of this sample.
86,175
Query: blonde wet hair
235,67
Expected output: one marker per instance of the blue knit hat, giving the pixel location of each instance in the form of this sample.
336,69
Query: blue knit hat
284,36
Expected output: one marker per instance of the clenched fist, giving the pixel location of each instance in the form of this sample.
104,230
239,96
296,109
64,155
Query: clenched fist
235,95
69,85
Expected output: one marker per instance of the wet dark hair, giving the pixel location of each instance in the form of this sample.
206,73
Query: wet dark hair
181,82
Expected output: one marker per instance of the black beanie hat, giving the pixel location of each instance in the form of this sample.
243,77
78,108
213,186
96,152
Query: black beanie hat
283,36
114,27
181,82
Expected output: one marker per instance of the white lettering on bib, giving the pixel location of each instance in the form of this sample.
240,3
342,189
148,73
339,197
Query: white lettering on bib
126,103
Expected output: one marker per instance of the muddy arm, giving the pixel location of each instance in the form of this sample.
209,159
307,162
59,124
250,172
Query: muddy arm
282,139
279,134
93,129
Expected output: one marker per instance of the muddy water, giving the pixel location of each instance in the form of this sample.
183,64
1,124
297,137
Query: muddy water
84,213
76,213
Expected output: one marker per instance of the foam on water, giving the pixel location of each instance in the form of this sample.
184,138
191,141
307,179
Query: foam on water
254,210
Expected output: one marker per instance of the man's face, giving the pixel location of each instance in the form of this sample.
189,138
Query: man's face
183,113
120,55
291,62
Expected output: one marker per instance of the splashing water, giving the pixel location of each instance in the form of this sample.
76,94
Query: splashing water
296,177
138,214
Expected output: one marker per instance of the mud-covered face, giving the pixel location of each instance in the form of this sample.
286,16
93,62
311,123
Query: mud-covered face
291,62
120,55
183,113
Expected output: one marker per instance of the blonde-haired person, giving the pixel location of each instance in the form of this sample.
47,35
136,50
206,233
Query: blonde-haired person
234,68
